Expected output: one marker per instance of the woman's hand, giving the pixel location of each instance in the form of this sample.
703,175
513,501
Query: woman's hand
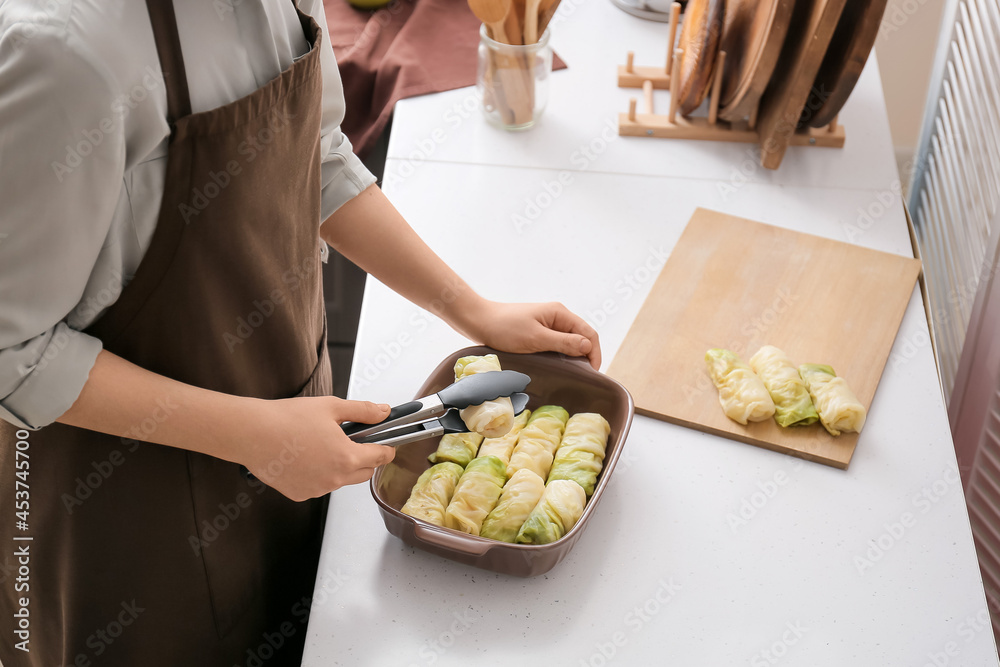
530,327
297,447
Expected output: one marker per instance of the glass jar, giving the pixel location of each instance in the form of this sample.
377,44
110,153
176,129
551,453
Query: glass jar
513,80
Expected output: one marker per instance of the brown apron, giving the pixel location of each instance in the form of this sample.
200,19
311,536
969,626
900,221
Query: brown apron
148,555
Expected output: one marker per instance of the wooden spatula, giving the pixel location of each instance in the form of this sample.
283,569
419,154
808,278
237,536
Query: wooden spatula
546,10
531,21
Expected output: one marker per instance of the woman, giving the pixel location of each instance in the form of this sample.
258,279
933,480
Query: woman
170,182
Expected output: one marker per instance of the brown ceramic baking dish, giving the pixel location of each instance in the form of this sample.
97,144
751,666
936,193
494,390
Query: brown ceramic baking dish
555,380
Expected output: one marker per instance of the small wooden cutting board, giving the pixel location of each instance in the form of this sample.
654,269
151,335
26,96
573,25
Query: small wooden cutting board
738,284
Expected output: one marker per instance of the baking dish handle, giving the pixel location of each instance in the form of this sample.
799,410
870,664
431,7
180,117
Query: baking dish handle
450,540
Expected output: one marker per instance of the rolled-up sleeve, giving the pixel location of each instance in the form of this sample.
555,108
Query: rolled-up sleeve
61,169
344,175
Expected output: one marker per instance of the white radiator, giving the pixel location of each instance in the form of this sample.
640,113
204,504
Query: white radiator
954,197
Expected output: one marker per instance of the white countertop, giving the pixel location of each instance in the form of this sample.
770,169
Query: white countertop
703,551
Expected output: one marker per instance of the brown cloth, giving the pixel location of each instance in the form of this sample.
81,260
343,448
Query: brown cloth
408,48
132,553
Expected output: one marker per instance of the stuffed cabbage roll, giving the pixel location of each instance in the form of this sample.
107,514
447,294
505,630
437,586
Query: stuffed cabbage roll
433,491
458,448
491,419
475,495
503,446
792,404
519,497
538,440
839,409
742,394
580,456
560,507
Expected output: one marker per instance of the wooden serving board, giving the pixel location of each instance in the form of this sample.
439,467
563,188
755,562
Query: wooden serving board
738,284
845,58
752,36
812,26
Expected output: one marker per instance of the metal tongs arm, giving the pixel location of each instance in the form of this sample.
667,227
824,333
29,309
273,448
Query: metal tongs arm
415,420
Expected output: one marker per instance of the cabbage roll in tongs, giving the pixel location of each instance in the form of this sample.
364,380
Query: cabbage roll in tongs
490,419
439,413
503,446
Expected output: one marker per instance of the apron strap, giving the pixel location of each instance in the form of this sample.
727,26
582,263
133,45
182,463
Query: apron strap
168,49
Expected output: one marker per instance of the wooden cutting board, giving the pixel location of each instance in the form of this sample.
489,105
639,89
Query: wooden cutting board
739,284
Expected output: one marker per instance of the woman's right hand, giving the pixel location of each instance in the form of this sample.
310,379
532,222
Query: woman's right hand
297,447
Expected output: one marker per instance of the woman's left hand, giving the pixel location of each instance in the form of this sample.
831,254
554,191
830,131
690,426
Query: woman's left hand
532,327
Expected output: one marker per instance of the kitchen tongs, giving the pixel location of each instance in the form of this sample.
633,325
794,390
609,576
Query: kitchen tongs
437,414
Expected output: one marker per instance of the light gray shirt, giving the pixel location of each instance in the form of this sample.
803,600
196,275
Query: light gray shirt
83,145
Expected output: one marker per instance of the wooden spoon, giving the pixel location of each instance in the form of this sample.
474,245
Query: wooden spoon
510,71
492,13
515,22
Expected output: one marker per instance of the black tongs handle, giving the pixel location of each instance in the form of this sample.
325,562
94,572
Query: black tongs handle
350,428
